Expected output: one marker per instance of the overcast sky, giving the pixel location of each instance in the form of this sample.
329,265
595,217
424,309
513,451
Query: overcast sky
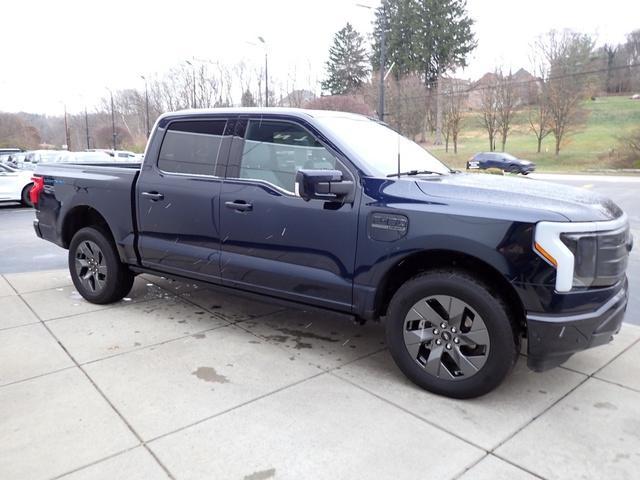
57,52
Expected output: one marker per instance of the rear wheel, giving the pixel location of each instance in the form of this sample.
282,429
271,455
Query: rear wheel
25,199
450,335
95,267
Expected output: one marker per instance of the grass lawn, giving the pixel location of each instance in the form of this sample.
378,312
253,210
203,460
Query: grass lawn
592,145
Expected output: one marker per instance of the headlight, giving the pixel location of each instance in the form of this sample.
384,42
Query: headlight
585,254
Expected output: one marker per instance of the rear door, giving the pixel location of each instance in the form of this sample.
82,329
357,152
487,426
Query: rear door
273,242
178,199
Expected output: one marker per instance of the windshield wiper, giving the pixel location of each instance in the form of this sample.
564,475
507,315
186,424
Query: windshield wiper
415,172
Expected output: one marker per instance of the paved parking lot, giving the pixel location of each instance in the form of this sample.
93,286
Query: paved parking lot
180,382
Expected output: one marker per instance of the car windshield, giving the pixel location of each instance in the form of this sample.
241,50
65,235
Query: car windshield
379,145
507,156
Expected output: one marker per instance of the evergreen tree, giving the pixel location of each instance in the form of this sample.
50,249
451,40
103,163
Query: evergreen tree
347,68
425,37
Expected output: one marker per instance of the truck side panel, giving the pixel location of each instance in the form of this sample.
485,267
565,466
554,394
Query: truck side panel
71,191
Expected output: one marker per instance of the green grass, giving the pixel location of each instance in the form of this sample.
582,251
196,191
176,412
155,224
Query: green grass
595,144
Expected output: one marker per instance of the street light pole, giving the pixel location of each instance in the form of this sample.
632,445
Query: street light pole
113,122
193,72
146,102
86,125
383,58
67,137
266,72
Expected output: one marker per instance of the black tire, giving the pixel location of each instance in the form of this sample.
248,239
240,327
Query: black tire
112,280
25,199
503,342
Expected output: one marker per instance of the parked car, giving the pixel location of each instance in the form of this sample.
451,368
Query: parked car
15,185
82,157
33,157
120,155
503,161
7,153
337,211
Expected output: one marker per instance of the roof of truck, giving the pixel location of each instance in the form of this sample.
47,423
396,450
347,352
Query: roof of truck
296,112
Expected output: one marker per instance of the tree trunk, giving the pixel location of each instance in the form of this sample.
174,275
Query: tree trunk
558,145
438,139
455,144
539,144
446,144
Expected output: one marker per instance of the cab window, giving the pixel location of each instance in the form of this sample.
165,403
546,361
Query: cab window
275,150
191,147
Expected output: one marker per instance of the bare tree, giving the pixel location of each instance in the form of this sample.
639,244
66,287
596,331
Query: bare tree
490,117
567,55
540,117
453,103
506,100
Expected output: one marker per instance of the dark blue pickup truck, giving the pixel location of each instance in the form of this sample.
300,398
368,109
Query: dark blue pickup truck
338,211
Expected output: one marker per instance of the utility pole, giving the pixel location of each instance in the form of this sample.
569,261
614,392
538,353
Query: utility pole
66,129
113,123
86,125
146,101
266,72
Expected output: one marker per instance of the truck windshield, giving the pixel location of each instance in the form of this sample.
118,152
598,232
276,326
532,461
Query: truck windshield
378,146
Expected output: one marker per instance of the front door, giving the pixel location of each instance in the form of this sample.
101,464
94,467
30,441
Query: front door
178,200
273,242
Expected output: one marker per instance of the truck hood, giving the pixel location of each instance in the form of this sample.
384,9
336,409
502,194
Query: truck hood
575,204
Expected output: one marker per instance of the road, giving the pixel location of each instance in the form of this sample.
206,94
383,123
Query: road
21,250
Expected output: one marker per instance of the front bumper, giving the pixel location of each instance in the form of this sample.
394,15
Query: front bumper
552,339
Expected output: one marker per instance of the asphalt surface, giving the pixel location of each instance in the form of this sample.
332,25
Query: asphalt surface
22,251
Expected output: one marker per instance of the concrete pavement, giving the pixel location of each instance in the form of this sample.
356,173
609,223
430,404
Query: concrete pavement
177,381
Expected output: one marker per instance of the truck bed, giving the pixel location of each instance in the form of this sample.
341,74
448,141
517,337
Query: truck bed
106,187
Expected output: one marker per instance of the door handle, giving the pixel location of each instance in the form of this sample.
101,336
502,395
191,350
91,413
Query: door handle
153,196
239,205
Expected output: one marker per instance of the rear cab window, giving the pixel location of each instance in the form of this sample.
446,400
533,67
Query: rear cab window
191,147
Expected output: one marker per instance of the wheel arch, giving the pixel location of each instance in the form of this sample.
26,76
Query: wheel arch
79,217
437,259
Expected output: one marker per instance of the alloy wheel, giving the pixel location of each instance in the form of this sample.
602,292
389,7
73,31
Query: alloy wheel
446,337
91,266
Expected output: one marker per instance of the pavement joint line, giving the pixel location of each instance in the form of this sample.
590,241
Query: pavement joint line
610,382
95,462
105,398
586,378
235,407
158,437
37,376
146,347
102,309
413,414
490,454
37,322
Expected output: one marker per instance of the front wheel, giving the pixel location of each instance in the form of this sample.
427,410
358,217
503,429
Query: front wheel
450,335
95,267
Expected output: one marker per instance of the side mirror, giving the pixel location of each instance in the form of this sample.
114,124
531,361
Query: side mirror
322,185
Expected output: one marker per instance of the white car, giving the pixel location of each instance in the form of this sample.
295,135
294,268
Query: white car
15,185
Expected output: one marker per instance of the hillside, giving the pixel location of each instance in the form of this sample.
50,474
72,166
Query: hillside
593,145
